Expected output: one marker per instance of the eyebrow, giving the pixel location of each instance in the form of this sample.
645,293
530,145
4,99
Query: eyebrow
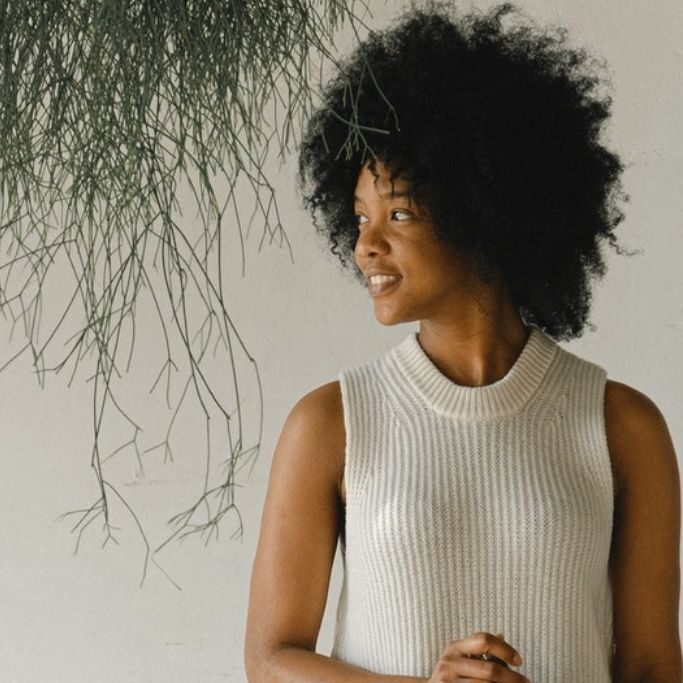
385,195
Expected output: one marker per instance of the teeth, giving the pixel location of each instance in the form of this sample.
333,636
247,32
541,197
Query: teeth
377,279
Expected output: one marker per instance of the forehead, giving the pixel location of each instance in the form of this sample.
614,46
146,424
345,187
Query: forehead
379,183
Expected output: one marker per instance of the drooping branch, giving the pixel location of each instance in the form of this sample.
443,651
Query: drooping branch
107,109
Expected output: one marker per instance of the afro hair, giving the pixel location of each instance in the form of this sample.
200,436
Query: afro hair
495,127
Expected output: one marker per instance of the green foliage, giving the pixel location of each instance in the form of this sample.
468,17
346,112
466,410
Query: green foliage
107,108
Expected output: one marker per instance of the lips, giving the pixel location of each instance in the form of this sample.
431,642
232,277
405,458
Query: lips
377,288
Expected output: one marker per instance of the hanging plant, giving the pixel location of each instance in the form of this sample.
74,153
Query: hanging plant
110,108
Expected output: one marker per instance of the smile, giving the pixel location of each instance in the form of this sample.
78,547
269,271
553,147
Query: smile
378,286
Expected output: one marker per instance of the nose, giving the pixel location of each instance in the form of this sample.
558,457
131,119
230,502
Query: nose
371,240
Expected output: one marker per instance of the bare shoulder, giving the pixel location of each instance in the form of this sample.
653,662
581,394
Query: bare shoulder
321,411
300,526
625,403
630,409
644,561
322,403
637,434
322,408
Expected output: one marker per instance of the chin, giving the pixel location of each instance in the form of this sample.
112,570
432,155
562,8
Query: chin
391,318
387,319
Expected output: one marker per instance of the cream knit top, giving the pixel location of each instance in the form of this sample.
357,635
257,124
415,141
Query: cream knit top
477,509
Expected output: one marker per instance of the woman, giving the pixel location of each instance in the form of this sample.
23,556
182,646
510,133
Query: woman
506,513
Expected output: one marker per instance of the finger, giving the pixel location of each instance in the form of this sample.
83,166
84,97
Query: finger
481,642
479,670
488,657
491,657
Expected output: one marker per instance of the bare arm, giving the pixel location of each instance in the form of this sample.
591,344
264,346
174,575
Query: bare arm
644,565
301,522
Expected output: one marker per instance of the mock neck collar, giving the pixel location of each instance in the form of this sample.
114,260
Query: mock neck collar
506,396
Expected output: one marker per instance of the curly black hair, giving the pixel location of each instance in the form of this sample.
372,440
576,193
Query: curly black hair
496,130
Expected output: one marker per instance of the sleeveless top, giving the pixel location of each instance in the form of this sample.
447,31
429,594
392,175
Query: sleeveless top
477,509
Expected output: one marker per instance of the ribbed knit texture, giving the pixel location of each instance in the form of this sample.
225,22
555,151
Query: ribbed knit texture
477,509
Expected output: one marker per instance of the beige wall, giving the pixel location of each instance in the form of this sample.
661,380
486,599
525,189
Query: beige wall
76,618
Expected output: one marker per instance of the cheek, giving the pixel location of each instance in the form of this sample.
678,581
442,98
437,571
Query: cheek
434,264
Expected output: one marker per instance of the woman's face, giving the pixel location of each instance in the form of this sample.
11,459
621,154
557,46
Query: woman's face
395,237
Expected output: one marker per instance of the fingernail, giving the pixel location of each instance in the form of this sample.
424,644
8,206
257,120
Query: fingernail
518,659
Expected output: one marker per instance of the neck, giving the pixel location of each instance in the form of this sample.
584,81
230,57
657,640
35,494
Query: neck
480,345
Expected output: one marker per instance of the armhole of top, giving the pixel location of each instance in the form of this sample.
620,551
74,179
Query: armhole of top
348,431
358,413
602,425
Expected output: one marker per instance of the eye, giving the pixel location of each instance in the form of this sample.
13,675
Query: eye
395,212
